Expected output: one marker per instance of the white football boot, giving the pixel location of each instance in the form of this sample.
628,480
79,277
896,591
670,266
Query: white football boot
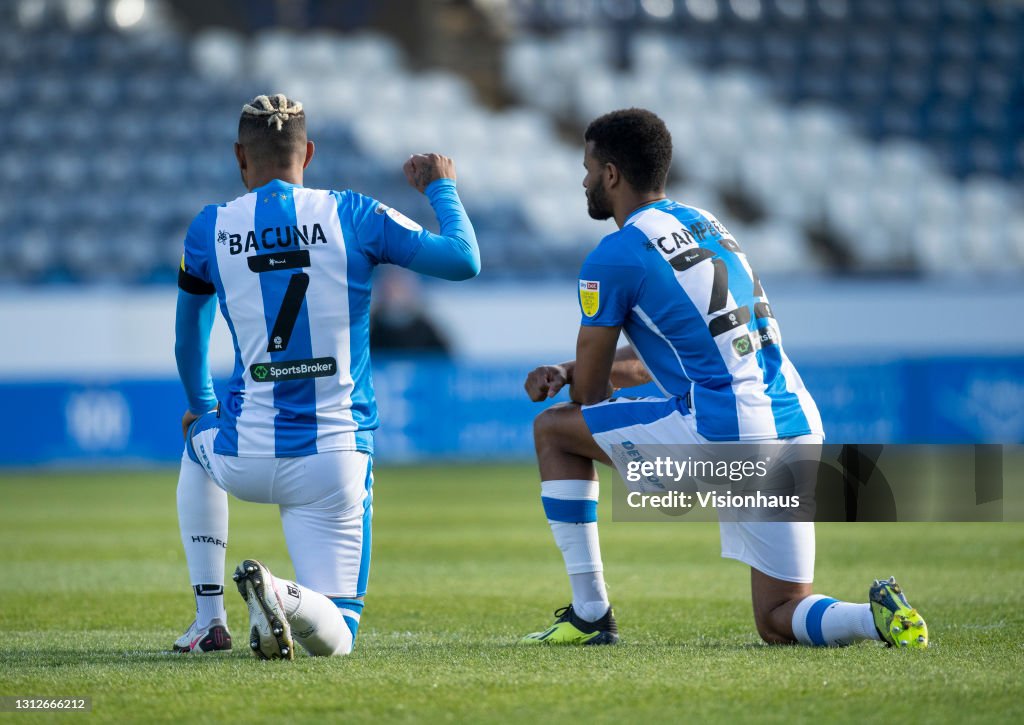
270,635
213,638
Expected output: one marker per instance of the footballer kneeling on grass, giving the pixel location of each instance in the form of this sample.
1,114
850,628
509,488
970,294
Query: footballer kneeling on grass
291,268
676,283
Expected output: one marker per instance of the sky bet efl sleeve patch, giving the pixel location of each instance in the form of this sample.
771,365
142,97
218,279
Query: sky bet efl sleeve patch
402,220
590,297
608,292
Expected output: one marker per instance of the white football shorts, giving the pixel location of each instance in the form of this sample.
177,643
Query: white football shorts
326,504
782,550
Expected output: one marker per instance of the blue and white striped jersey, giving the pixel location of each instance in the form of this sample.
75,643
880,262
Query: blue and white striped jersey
291,268
699,319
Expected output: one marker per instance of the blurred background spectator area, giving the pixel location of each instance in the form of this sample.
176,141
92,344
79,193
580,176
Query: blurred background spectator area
835,137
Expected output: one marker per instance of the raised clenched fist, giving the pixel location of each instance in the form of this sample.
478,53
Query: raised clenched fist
421,169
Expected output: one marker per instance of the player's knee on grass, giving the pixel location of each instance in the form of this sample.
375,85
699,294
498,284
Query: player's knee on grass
774,601
770,634
774,620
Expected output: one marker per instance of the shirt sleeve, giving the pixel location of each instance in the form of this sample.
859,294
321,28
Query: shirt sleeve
194,271
196,309
192,327
607,293
389,237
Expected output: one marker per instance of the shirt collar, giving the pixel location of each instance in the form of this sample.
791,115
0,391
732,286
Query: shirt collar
278,184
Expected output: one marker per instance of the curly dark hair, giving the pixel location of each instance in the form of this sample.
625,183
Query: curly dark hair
637,142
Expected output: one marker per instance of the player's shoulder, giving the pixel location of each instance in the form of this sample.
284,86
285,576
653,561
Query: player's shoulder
654,219
623,247
682,223
351,197
209,211
315,200
644,229
367,212
357,204
702,222
203,223
707,216
314,191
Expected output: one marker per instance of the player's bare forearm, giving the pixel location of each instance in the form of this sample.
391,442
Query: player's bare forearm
595,353
547,381
590,396
627,370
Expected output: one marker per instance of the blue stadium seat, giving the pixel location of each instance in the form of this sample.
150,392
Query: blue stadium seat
154,113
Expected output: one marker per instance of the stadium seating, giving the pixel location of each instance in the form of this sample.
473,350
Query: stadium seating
943,71
889,205
776,107
879,97
124,136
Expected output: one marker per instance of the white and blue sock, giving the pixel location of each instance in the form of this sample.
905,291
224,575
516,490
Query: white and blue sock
203,521
351,611
571,509
821,621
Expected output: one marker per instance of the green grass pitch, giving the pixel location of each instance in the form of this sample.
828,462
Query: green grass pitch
95,591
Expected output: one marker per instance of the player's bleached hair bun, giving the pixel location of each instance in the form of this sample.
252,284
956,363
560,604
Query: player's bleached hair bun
277,111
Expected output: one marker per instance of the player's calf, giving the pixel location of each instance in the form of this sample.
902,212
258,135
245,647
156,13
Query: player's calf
787,612
821,621
318,623
569,491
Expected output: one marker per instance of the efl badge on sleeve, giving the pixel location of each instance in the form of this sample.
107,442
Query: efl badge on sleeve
590,297
403,220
